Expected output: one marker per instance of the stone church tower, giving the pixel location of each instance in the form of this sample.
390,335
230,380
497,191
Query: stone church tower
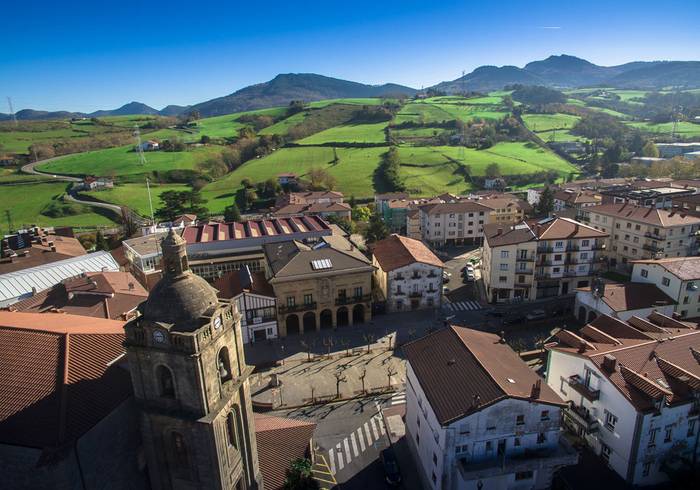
185,354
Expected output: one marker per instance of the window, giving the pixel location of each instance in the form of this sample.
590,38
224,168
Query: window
523,475
691,427
489,446
668,433
646,468
557,257
521,278
652,437
665,281
224,366
231,430
610,421
644,273
685,300
502,279
291,301
556,270
504,254
584,255
544,415
342,294
520,419
585,243
605,452
358,292
503,267
628,225
308,299
516,442
165,381
541,438
558,244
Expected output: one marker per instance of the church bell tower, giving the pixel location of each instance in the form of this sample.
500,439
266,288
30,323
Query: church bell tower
185,354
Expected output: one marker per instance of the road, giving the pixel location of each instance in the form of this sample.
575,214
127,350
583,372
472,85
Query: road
350,436
30,169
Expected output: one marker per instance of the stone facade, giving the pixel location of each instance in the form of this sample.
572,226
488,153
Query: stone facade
324,300
191,384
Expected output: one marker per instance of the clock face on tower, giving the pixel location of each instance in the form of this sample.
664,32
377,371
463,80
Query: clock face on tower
158,337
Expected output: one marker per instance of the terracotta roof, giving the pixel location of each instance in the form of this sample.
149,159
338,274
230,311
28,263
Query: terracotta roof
462,371
110,295
564,228
465,206
685,268
503,202
652,216
255,229
633,296
498,235
234,283
40,253
390,196
280,441
653,357
576,197
399,251
58,380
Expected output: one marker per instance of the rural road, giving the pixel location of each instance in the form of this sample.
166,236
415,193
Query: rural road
71,196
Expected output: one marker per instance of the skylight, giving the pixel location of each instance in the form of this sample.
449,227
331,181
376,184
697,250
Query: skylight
321,264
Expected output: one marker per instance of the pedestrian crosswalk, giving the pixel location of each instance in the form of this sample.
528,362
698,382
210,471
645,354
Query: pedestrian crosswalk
463,306
398,399
356,443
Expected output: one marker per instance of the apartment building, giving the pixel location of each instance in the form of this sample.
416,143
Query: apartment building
574,199
478,417
408,274
621,300
640,233
505,210
323,286
633,389
453,222
539,259
678,277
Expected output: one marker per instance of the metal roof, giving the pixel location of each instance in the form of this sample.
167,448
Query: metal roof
18,284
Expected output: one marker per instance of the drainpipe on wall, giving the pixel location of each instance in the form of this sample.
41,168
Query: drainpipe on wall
635,447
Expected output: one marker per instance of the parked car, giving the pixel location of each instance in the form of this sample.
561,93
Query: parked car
536,315
468,277
391,467
468,268
446,276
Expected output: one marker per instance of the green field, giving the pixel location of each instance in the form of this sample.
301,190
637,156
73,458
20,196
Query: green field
135,196
26,202
356,101
282,127
416,132
354,172
348,133
422,112
123,161
11,176
683,128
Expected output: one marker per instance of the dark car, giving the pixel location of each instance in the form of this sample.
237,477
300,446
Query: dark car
391,467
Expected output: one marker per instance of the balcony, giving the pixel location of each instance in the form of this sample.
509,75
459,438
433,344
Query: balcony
530,459
295,308
579,417
353,299
577,384
525,271
520,258
655,236
652,247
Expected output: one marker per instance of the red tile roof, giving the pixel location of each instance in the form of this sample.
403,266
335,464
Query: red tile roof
685,268
232,284
652,216
58,379
633,296
399,251
40,252
211,232
109,295
280,441
462,371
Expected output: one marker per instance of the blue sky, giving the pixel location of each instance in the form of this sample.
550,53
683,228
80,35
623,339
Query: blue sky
84,56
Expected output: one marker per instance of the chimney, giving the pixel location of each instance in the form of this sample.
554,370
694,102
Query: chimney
131,286
501,337
609,363
536,389
476,401
499,231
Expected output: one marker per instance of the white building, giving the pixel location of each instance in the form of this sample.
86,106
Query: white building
478,417
634,392
256,303
621,301
408,273
677,277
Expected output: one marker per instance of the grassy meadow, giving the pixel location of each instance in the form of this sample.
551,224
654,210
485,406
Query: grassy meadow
135,196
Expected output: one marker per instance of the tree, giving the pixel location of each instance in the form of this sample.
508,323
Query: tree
176,203
246,132
299,476
205,140
361,213
492,171
232,213
376,230
101,242
650,150
546,203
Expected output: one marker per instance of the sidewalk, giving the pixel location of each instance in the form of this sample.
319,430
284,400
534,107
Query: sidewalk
394,328
299,382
